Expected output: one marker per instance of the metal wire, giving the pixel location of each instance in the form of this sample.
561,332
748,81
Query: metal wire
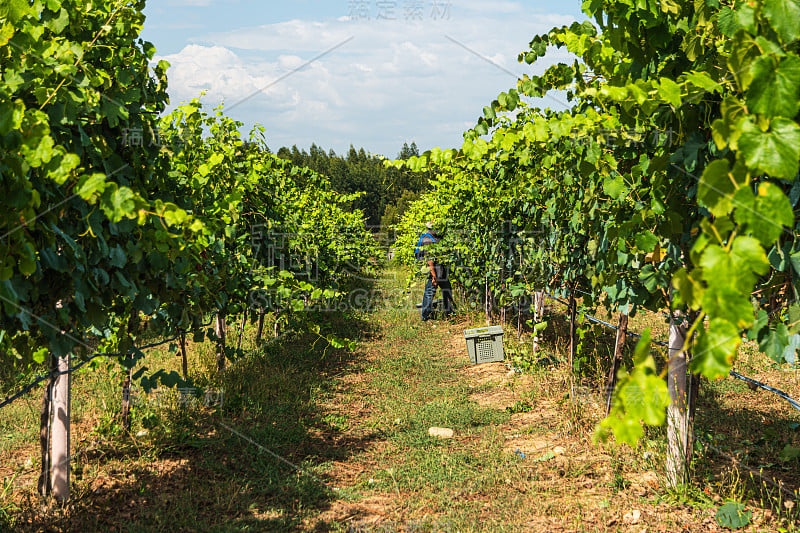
794,403
55,373
773,390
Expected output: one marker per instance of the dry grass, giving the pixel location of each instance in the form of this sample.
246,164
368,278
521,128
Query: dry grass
522,457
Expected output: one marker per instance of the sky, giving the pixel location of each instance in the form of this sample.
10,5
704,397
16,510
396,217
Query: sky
374,73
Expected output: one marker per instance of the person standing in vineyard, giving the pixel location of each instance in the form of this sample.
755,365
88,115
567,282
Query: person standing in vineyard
438,276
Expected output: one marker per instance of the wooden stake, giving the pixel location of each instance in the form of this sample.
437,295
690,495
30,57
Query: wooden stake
537,317
241,331
611,382
503,306
488,308
573,345
126,401
60,433
133,329
680,410
184,360
260,326
219,330
45,489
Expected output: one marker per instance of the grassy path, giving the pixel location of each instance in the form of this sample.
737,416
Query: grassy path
322,440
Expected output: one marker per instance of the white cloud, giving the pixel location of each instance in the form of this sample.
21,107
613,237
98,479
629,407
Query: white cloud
195,3
394,81
481,6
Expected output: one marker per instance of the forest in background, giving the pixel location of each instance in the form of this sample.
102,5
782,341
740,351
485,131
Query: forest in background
389,191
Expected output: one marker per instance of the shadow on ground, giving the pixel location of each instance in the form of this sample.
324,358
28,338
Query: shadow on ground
251,464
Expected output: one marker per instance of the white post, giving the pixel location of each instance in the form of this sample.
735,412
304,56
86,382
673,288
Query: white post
679,430
59,433
219,331
537,317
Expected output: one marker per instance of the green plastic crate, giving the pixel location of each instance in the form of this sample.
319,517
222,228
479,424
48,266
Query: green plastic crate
485,345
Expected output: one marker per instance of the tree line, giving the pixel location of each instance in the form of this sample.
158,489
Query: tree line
388,191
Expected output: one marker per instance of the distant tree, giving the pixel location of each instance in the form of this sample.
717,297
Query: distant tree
387,190
394,211
409,151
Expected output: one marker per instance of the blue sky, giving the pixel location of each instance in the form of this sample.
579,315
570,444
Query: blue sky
384,72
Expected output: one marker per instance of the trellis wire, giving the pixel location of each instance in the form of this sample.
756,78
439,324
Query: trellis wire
733,374
55,373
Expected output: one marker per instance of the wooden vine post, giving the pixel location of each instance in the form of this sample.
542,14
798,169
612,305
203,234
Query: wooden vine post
680,411
538,302
219,331
45,488
488,302
184,360
611,382
60,431
260,331
276,327
241,331
573,341
126,400
127,395
54,436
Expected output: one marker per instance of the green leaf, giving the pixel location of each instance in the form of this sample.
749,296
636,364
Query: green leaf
90,186
749,260
739,268
716,188
117,257
173,215
775,87
743,53
11,115
646,241
689,286
742,16
670,91
651,278
764,214
26,265
40,355
614,187
16,9
703,80
733,516
762,319
625,429
729,304
715,348
775,151
774,343
790,351
122,204
645,397
57,25
795,260
784,17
